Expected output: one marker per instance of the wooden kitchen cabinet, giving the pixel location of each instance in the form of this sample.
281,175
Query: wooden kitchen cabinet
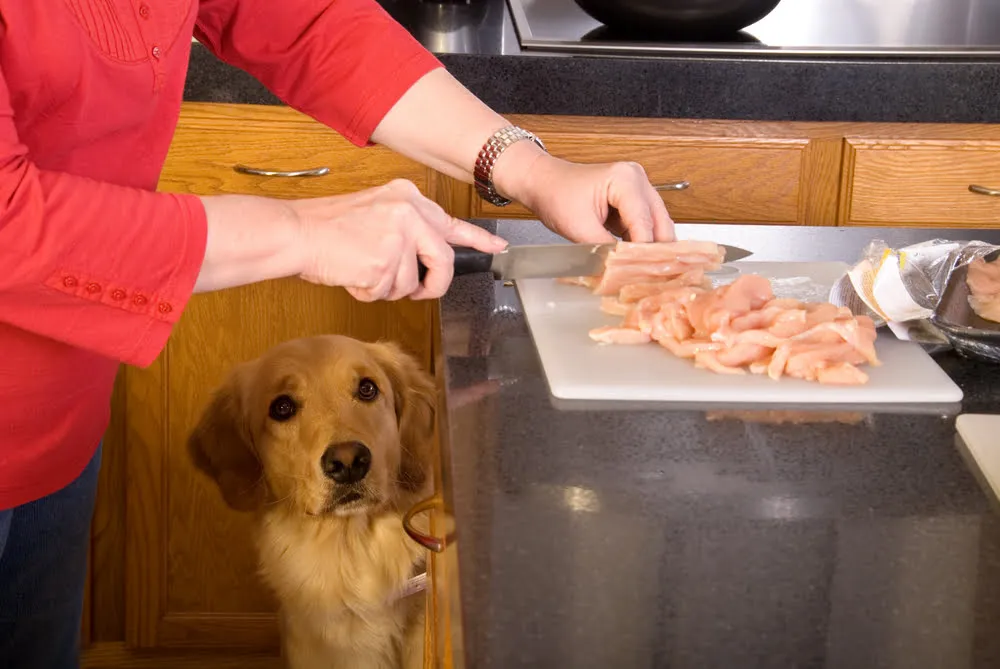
858,174
735,171
919,175
173,569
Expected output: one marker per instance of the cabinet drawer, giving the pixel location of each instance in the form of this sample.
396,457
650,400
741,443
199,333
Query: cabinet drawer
920,182
730,179
212,139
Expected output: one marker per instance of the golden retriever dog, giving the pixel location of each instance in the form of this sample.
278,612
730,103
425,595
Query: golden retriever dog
328,439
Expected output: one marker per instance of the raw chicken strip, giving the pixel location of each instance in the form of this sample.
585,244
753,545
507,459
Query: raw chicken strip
652,252
636,263
636,291
618,335
616,277
983,280
585,281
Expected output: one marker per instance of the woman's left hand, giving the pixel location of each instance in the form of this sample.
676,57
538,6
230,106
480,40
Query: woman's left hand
584,203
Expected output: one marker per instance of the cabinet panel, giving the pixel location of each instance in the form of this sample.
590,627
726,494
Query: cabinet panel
756,182
736,171
921,181
212,139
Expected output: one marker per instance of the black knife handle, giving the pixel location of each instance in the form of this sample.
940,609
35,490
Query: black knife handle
467,261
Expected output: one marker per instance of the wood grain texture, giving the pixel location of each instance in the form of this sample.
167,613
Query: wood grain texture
105,605
115,655
920,182
820,181
212,138
744,180
739,171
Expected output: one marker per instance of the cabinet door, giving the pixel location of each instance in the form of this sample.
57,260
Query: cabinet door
921,176
731,171
190,576
215,142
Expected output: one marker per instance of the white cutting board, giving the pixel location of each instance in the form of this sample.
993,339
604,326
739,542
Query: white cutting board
980,435
577,368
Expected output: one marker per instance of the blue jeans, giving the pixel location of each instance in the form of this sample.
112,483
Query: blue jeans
43,560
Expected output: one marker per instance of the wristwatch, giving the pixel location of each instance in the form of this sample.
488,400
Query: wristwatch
487,158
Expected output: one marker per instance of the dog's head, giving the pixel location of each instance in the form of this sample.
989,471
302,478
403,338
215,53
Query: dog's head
320,425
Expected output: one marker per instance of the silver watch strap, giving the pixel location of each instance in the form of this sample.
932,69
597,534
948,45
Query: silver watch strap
487,158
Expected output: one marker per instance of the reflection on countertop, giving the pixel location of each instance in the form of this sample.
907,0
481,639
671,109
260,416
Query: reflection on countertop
699,537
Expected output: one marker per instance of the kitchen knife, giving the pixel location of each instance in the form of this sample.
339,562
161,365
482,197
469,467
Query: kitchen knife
547,261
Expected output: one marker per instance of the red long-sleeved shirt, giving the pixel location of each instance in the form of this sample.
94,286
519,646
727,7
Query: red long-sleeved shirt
96,267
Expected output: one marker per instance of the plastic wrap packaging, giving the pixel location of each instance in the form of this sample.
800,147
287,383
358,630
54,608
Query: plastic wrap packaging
921,294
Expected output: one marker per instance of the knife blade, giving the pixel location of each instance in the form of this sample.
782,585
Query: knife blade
547,261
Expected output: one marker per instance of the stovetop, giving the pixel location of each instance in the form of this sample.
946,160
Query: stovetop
796,28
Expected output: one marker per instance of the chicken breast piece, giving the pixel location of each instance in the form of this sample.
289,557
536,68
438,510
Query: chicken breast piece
983,280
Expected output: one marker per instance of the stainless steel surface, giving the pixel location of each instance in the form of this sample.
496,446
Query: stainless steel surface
983,190
564,260
263,172
796,28
680,185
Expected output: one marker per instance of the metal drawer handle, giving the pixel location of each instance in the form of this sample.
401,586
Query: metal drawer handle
679,185
260,172
983,190
429,542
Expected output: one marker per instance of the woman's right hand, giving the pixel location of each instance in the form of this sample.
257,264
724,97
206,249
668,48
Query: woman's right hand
369,242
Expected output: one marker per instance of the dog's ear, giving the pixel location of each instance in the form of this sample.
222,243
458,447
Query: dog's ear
415,397
221,446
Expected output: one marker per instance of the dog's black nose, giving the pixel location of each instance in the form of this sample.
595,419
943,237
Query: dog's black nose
346,462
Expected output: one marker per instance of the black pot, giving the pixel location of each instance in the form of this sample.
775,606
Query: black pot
679,17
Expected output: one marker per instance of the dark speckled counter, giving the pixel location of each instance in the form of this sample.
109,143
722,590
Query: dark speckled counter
485,56
596,537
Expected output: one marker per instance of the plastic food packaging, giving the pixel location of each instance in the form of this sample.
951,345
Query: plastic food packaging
921,294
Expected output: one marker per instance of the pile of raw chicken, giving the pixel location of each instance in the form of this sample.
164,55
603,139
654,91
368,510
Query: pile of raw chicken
663,294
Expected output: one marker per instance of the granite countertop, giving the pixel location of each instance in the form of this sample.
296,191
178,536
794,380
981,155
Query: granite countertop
480,48
656,537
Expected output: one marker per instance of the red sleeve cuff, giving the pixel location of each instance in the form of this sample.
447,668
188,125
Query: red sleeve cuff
180,286
154,311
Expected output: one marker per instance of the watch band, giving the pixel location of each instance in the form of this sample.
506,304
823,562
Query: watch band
487,158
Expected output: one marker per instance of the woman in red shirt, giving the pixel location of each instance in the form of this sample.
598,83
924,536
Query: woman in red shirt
96,267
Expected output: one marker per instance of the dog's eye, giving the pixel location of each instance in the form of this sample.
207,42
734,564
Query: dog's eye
367,390
282,408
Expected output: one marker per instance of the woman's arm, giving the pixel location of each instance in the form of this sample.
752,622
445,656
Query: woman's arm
439,123
348,64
